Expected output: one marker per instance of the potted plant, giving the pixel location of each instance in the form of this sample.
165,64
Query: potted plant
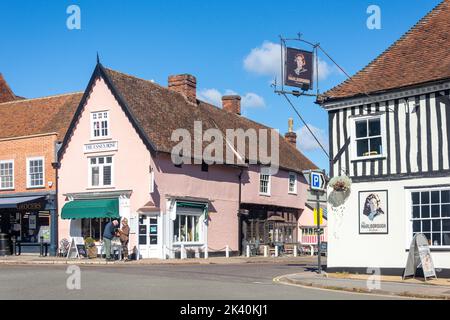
91,248
341,190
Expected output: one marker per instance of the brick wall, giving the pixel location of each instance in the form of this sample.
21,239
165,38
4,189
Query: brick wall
21,149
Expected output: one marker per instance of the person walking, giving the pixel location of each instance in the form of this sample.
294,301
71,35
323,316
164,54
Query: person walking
124,235
108,234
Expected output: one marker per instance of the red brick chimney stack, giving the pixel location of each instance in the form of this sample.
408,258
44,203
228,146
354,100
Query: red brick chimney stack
232,104
185,84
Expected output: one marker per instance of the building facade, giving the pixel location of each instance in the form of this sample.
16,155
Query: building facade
389,132
115,162
30,130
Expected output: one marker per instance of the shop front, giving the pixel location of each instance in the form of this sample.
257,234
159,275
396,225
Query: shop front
29,220
88,213
268,226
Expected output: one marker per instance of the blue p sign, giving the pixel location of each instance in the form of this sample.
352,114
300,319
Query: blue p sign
317,181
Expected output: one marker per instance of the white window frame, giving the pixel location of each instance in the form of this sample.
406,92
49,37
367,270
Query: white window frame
202,230
409,219
13,182
100,174
108,126
265,171
29,186
295,184
353,146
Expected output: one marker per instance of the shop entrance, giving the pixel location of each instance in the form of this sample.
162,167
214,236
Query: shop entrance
149,236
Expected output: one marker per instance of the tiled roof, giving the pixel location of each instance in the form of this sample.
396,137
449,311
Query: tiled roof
37,116
6,93
159,111
420,56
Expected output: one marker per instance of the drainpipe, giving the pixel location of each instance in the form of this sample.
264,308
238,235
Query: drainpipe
239,213
54,213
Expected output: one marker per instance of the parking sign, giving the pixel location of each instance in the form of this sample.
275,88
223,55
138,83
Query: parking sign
317,181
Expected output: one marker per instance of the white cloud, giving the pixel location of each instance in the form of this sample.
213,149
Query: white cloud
249,100
306,142
212,96
266,61
252,100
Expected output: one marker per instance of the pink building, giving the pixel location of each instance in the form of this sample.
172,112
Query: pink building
115,162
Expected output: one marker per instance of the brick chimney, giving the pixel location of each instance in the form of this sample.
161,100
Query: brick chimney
6,94
291,136
185,84
232,104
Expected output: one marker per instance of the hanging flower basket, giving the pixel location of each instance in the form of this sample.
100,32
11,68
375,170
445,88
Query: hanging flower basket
341,186
341,183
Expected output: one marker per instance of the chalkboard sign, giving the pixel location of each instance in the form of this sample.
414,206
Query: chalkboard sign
82,250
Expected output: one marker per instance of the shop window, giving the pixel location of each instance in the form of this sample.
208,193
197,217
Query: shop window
99,125
93,228
187,228
6,175
100,171
430,215
292,182
35,172
264,181
368,138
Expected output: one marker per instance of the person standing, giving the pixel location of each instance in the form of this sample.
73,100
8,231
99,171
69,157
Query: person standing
108,234
124,235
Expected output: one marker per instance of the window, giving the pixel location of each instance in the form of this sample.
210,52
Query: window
35,172
368,141
292,182
6,175
188,225
100,172
99,125
264,181
93,228
430,214
187,228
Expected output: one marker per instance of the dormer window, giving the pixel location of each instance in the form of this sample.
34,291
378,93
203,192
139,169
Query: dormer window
369,138
100,125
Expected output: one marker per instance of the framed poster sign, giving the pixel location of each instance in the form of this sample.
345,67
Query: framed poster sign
373,212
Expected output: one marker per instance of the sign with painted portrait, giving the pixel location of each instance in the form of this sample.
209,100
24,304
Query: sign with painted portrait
373,212
298,68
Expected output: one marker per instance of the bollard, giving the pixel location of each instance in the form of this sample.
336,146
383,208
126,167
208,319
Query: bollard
227,251
248,251
295,250
266,251
206,252
312,251
41,239
276,251
182,252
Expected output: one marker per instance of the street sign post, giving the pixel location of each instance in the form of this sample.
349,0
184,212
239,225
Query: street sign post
318,186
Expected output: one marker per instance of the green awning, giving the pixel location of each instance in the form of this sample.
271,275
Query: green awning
191,205
84,209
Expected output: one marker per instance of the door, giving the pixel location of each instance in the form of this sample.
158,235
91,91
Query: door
149,240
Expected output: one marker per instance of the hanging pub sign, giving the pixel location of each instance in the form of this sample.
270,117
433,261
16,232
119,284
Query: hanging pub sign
298,68
373,212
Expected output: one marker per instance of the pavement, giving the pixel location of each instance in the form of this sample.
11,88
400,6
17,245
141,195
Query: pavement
367,284
36,260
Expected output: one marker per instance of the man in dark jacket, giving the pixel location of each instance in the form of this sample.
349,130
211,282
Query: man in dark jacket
108,234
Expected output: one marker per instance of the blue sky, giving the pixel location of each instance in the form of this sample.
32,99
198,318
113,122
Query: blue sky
228,45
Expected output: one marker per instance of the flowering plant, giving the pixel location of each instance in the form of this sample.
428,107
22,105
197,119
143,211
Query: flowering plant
340,183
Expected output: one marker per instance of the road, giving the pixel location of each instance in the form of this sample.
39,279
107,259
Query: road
193,282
